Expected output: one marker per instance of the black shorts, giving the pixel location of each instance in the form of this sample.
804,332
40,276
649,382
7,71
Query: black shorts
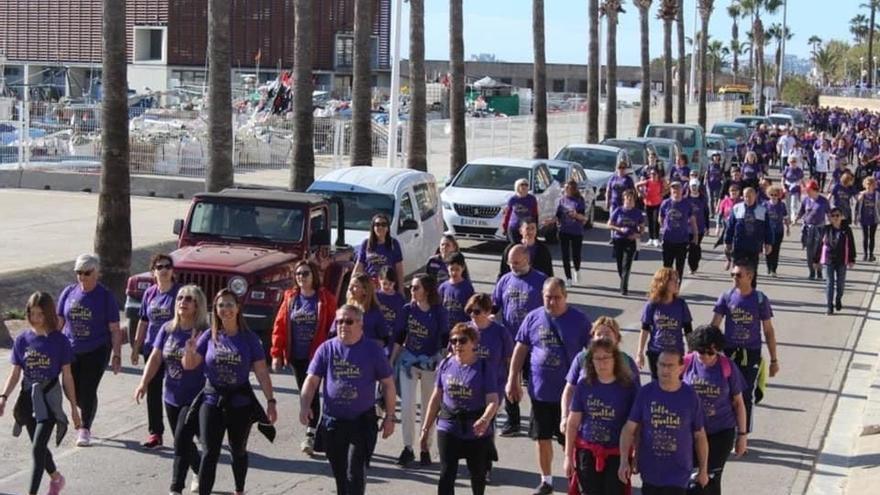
544,422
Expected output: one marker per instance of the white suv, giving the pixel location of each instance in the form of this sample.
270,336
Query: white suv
474,200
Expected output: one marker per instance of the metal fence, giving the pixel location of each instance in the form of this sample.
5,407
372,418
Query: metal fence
174,142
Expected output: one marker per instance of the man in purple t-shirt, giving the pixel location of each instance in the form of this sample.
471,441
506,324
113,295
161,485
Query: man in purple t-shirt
668,417
349,366
550,337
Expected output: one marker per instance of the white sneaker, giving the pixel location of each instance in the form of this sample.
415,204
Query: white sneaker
308,445
568,283
83,438
574,276
194,486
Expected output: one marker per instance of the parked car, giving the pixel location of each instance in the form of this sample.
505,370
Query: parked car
474,200
691,137
248,241
737,135
797,115
752,121
716,144
599,162
781,120
563,171
667,150
636,148
408,197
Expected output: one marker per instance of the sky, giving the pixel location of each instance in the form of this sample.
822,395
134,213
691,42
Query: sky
503,27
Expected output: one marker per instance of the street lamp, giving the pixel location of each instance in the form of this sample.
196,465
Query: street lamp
394,104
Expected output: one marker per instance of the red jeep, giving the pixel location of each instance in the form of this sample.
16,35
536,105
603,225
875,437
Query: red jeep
248,240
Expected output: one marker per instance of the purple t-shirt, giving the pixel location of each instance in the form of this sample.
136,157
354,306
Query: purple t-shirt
793,177
668,421
437,268
465,387
423,331
550,357
815,211
629,220
564,209
776,215
87,316
744,314
40,357
349,376
714,176
181,386
715,391
576,370
228,363
843,198
750,171
616,186
157,308
867,214
676,217
302,321
521,208
391,307
604,408
680,174
515,296
496,346
667,324
700,207
378,257
455,298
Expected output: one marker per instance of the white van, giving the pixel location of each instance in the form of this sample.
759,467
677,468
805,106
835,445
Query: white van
408,197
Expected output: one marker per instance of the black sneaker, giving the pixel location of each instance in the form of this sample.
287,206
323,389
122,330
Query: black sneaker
406,457
489,476
838,305
425,458
543,489
872,258
509,430
829,311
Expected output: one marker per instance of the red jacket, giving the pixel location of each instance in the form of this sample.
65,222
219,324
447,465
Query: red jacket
281,330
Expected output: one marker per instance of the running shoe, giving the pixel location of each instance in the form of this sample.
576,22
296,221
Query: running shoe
510,430
425,458
153,441
543,489
568,283
838,305
308,445
574,276
56,485
84,438
194,486
406,457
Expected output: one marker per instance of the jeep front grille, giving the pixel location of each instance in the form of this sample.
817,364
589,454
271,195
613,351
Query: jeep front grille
475,211
210,283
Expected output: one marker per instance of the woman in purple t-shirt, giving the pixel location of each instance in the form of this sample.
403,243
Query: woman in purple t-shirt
464,403
181,386
867,214
40,354
666,319
378,250
157,308
521,206
626,224
571,216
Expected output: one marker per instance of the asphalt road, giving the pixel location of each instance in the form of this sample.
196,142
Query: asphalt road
789,424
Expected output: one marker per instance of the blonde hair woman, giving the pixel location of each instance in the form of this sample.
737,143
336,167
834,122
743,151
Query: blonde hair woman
666,319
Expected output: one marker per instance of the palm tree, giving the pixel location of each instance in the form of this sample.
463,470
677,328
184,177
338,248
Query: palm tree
859,28
873,5
220,174
113,228
753,8
827,62
668,12
644,7
717,54
458,143
734,11
540,144
361,124
302,166
611,9
815,42
777,33
705,8
593,73
682,70
417,152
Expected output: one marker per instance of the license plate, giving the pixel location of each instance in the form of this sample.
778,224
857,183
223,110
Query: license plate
475,222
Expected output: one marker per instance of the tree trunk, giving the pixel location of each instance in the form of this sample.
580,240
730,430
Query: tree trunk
611,76
361,124
667,71
682,70
113,228
734,36
417,154
458,143
302,169
540,144
220,173
704,46
871,45
778,58
645,96
593,73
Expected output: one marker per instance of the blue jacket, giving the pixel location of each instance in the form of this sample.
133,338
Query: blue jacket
747,228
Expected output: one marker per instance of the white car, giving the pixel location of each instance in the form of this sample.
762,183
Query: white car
408,197
475,199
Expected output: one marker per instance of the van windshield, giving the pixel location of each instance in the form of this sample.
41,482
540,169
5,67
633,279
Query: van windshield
495,177
687,137
359,207
246,220
590,159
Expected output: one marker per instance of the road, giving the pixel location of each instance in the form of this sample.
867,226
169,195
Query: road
789,424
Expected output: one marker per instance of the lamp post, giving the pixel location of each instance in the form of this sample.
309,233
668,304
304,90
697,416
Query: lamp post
782,45
394,107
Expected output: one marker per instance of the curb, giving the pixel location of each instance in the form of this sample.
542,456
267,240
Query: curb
141,185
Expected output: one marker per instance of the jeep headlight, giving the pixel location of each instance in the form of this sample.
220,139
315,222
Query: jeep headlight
238,286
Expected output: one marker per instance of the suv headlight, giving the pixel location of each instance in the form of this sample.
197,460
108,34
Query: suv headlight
238,286
447,205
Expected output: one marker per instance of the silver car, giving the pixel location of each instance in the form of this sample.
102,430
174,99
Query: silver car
599,163
563,171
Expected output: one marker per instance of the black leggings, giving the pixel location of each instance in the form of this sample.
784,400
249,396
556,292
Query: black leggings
820,178
88,369
720,445
695,253
652,213
773,257
675,252
624,251
476,454
571,251
213,423
300,372
186,455
869,233
649,489
40,434
154,402
591,481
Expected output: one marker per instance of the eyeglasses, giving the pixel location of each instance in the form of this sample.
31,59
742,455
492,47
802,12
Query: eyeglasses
736,275
84,273
187,298
225,305
303,273
380,224
164,266
458,340
707,352
344,321
475,311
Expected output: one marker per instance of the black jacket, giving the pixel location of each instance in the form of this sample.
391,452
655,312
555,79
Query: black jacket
541,261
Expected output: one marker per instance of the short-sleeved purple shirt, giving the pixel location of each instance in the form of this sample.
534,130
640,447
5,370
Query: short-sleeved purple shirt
349,374
40,357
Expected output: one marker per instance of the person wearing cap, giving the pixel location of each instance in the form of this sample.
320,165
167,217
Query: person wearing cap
700,205
747,232
89,317
678,228
814,212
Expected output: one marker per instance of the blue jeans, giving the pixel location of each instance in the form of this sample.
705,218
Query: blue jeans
834,275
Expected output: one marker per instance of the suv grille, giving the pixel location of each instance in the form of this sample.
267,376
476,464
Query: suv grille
210,283
477,211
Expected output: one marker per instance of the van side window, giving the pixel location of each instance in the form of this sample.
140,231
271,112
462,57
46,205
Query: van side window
406,208
426,199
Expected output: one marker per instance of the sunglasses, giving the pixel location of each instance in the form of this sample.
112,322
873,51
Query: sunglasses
736,274
84,273
344,321
162,267
475,312
303,273
225,305
186,297
380,224
458,340
707,352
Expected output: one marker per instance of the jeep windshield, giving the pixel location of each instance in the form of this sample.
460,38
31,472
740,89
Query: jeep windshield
359,207
495,177
590,159
231,220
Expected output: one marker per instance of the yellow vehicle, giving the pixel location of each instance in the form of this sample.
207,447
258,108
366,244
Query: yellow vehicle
742,93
